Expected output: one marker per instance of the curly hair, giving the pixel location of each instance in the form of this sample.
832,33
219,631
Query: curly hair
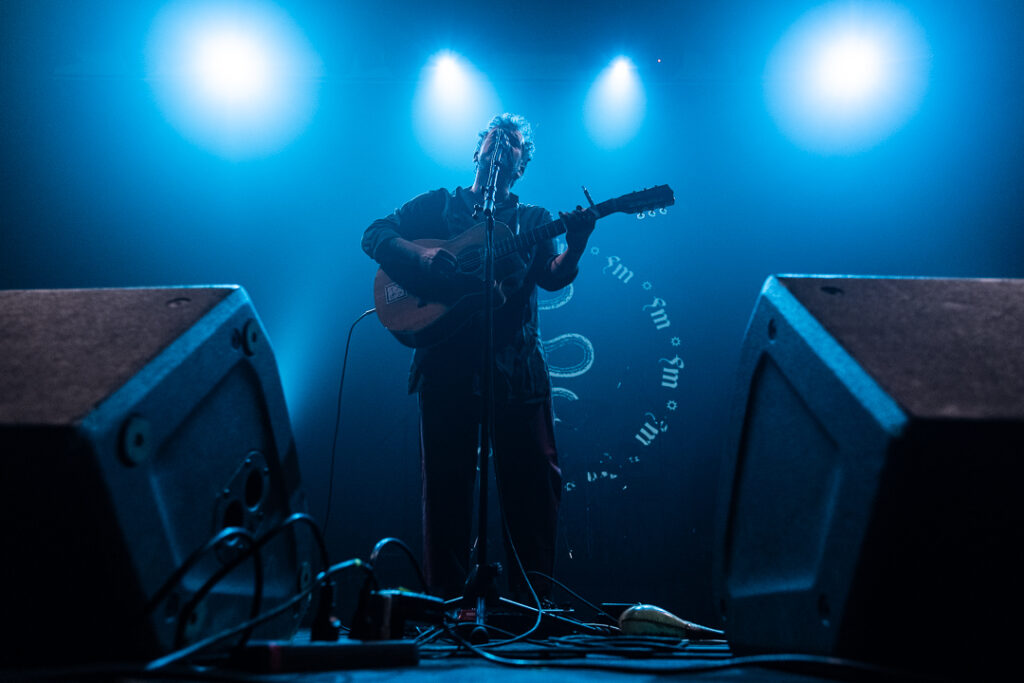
511,123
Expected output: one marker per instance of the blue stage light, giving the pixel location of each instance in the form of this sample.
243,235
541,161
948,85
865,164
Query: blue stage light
232,68
851,69
453,102
615,105
234,76
847,75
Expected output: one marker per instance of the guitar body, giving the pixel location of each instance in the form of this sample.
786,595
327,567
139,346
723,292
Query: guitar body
419,320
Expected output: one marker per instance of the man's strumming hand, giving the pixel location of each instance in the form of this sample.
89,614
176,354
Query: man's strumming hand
437,264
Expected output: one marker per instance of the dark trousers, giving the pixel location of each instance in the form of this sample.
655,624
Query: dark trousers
528,477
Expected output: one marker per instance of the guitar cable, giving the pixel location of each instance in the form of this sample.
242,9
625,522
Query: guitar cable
337,419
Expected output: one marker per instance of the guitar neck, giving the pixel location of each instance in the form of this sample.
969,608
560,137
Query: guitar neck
531,237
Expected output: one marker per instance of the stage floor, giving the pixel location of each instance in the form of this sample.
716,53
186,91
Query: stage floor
566,659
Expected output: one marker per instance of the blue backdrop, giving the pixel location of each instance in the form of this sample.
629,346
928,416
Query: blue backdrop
99,190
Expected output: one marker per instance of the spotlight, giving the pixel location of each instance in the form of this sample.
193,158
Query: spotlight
448,70
615,105
851,69
453,101
234,76
232,67
846,75
620,74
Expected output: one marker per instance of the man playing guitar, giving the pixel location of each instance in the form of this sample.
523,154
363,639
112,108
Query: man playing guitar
447,374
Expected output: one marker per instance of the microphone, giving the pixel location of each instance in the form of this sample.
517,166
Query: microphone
501,146
501,138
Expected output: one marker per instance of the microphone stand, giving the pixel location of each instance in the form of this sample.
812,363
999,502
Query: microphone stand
480,582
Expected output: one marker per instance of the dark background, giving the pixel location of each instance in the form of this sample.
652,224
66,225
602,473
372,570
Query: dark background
98,190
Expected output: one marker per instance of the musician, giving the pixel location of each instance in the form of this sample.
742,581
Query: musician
447,376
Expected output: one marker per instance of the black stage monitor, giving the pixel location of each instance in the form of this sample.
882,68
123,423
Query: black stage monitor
870,505
136,424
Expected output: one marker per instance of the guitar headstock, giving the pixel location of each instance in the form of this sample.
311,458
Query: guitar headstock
649,199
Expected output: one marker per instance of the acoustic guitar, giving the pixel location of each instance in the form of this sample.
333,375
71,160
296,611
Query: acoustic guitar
419,319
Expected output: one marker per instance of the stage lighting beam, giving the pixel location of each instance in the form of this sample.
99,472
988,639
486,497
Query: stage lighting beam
453,101
236,77
851,69
615,105
847,75
232,67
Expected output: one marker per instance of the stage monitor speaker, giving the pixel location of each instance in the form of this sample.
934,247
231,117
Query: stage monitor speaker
870,505
135,425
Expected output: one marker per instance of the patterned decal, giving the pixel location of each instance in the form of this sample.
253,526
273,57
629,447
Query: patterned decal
609,446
